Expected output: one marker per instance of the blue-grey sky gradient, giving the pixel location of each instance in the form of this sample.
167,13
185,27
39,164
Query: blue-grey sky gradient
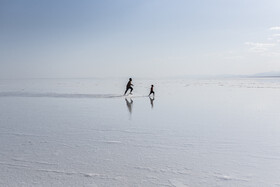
87,38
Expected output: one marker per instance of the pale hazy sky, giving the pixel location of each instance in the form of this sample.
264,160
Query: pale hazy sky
87,38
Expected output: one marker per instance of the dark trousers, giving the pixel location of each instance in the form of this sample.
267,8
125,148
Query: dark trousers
128,88
152,92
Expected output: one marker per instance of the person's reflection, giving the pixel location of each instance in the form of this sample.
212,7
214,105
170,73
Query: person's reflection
129,105
152,101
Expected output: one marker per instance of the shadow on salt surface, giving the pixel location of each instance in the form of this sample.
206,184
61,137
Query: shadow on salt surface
57,95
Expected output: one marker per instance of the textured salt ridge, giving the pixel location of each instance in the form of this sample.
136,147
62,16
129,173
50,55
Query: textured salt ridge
56,95
65,95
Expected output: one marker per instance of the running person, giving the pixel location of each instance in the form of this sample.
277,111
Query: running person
152,90
129,86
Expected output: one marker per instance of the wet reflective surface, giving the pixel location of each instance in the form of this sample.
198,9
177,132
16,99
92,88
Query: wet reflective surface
192,133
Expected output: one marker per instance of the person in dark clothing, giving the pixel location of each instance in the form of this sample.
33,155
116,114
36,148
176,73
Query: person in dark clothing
129,86
152,91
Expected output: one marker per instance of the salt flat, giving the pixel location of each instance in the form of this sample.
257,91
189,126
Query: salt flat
83,132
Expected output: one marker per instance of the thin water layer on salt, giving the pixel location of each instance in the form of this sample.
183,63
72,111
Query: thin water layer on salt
194,133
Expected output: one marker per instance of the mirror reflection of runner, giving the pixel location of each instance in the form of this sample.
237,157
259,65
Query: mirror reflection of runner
129,105
129,86
152,102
